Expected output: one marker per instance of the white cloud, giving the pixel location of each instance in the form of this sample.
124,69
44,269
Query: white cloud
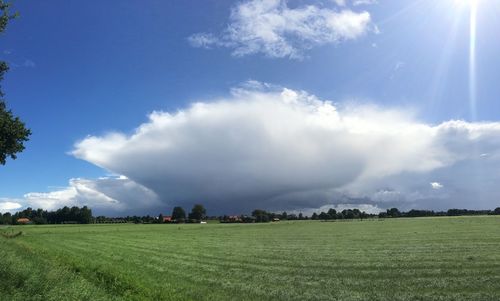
436,185
203,40
286,149
272,28
106,195
9,205
340,2
280,149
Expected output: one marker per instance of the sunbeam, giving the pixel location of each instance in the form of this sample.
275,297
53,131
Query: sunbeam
472,61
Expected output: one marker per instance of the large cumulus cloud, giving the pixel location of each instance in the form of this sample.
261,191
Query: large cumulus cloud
286,149
281,149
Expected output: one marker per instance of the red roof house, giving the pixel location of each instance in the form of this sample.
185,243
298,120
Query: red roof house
23,221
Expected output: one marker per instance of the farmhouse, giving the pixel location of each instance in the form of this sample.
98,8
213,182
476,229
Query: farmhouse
23,221
167,219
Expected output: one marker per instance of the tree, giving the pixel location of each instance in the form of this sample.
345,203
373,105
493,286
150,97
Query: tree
178,214
323,216
357,213
198,212
5,15
13,132
85,215
261,216
382,215
348,214
332,213
393,212
39,220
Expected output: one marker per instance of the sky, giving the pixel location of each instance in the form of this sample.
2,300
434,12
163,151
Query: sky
139,106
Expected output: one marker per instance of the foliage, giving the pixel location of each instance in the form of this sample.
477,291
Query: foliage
178,214
13,132
64,215
146,219
394,212
5,15
84,215
198,213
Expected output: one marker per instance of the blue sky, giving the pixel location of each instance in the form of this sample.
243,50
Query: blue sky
82,69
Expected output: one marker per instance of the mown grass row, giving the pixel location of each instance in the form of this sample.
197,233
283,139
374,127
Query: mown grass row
406,259
11,234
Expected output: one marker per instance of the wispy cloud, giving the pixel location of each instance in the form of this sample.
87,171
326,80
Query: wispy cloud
272,28
363,2
25,63
354,2
29,64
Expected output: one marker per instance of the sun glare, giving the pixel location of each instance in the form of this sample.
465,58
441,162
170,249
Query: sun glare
470,7
472,59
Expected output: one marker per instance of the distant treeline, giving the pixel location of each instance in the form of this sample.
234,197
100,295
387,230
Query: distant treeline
76,215
146,219
65,215
262,216
198,213
394,212
332,214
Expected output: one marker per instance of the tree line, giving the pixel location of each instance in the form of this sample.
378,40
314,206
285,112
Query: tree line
198,214
65,215
262,216
77,215
394,213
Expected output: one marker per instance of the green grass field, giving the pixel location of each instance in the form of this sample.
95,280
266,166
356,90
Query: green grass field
398,259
